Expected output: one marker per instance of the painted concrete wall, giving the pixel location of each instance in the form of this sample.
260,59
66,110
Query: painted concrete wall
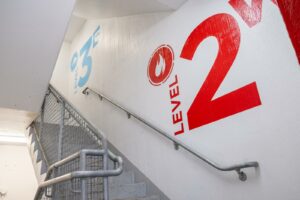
17,176
267,132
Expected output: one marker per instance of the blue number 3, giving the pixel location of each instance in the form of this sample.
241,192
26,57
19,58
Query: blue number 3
86,62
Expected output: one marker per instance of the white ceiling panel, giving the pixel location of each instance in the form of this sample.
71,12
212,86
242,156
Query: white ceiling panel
31,35
96,9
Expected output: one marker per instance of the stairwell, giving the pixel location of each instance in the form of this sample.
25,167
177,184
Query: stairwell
44,139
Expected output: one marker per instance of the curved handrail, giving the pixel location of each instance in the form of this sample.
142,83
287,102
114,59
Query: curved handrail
81,174
97,135
238,168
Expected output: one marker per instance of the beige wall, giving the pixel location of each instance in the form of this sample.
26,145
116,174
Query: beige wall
17,176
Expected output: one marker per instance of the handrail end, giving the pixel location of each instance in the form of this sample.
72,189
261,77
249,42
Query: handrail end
254,164
85,91
242,175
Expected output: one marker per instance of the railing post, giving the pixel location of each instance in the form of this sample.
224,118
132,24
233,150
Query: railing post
40,133
59,148
61,130
54,188
82,161
105,167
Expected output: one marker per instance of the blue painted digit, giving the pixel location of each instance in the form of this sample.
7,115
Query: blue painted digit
86,59
86,62
95,34
74,61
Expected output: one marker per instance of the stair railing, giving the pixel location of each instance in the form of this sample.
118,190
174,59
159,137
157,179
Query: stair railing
98,138
83,173
177,143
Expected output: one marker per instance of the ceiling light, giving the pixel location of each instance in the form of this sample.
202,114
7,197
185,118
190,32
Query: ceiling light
12,138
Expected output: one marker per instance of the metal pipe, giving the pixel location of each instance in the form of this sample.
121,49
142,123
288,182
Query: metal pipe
56,180
105,167
83,181
237,168
80,174
99,138
94,174
64,161
61,130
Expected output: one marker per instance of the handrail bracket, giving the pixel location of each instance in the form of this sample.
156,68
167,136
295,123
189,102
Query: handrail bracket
242,175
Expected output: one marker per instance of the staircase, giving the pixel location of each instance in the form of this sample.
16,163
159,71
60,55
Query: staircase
59,132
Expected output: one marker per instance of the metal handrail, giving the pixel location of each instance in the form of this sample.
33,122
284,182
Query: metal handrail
238,168
97,135
81,174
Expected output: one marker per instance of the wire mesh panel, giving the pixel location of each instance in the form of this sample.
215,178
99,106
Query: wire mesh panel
70,190
94,185
46,193
64,132
76,137
50,128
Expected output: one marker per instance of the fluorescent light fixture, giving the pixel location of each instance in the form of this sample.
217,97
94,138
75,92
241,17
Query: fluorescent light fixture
12,138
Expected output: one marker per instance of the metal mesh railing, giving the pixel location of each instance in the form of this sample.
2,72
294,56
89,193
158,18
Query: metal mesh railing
75,137
62,132
48,125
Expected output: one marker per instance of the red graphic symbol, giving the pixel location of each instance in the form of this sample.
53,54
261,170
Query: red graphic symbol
275,2
290,10
205,108
160,65
250,14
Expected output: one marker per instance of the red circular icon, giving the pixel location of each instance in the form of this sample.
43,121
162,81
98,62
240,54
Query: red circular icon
160,65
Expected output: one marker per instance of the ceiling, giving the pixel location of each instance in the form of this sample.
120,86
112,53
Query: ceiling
100,9
96,9
31,36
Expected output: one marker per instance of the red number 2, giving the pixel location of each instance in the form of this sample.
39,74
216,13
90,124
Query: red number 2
251,15
204,109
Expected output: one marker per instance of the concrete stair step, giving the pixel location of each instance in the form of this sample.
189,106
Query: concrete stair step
43,177
31,151
43,167
36,146
38,156
32,139
127,191
142,198
124,178
29,131
39,168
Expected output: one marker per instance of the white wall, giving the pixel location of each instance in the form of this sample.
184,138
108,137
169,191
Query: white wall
268,133
61,69
17,176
